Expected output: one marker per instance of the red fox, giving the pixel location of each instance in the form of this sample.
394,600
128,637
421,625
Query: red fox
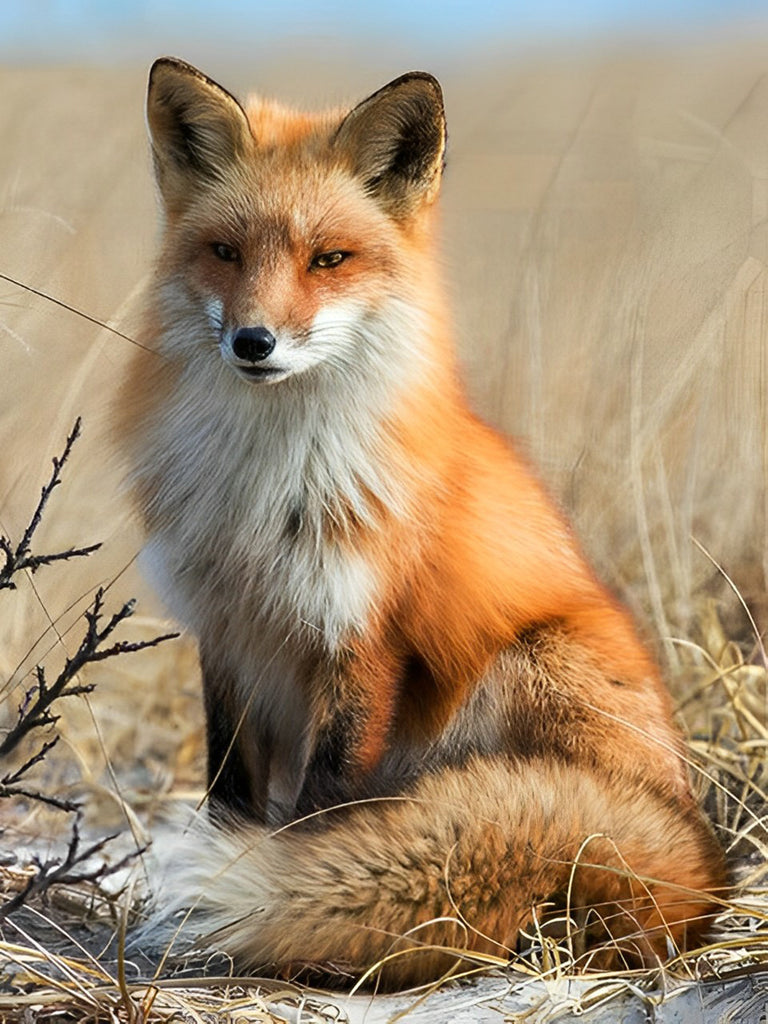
426,718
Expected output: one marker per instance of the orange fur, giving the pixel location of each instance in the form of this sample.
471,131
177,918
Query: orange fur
383,592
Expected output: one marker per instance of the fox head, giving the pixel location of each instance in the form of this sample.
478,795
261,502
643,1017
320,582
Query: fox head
296,240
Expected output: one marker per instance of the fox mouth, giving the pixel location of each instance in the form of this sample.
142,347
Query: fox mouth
262,373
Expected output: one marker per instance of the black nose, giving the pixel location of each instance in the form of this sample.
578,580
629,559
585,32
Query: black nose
253,343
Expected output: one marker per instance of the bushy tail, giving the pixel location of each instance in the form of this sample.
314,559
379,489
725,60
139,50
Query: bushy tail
457,865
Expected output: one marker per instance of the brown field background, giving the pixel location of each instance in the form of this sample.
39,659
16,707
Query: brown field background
605,241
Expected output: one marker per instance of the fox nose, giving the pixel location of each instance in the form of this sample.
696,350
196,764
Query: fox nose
253,344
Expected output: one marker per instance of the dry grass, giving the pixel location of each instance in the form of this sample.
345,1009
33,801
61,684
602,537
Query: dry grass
606,241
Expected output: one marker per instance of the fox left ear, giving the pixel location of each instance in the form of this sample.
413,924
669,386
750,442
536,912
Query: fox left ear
395,140
198,130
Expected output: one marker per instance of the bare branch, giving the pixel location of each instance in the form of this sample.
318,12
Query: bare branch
13,777
36,708
33,794
69,871
34,712
21,557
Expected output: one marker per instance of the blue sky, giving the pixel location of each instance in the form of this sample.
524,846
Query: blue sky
66,29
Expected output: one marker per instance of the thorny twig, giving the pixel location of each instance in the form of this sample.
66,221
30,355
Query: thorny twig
35,710
21,557
9,783
64,872
11,778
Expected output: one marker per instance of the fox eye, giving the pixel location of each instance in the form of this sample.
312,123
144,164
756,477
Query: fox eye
224,252
324,260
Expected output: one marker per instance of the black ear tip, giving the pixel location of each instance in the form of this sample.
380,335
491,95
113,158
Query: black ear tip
172,66
162,64
430,79
161,68
423,77
414,76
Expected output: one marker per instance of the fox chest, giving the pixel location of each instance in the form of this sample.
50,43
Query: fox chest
263,577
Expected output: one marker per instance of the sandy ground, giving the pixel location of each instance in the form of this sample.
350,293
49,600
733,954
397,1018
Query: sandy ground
605,244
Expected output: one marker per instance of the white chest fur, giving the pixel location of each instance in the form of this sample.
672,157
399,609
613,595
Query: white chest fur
252,548
255,499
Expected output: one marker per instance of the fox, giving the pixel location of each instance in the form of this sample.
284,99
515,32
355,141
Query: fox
429,725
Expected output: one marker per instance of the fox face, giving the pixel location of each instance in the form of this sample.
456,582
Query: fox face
290,241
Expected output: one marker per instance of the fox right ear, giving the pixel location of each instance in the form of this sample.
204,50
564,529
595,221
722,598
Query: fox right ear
198,130
395,141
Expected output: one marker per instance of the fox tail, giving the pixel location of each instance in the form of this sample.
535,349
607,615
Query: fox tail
408,888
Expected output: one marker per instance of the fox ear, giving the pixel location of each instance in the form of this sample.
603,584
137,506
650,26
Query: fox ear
198,130
395,140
